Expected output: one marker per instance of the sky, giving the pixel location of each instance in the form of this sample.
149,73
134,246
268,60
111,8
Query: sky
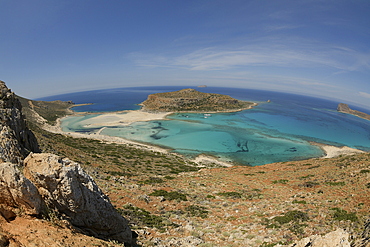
311,47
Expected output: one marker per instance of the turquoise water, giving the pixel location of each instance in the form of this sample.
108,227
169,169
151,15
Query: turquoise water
271,132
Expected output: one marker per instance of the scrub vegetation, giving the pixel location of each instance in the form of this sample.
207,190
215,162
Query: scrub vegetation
165,197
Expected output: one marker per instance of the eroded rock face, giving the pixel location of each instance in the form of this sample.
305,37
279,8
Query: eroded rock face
17,192
16,139
65,186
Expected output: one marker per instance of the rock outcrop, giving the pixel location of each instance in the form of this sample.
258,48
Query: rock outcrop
32,184
16,139
338,238
346,109
192,100
67,188
17,193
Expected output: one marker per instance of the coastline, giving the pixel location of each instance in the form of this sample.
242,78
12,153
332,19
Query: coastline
131,116
333,151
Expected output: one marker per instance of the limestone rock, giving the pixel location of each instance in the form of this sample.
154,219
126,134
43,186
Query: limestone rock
338,238
16,191
66,187
16,139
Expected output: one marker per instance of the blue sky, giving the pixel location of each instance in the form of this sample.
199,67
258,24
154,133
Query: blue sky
311,47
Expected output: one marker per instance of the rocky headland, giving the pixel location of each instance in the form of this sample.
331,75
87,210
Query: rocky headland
109,188
193,100
346,109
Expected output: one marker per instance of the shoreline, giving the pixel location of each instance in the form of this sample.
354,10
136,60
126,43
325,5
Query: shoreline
128,117
333,151
201,160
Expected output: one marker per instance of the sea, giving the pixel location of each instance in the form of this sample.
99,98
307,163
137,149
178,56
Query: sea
281,128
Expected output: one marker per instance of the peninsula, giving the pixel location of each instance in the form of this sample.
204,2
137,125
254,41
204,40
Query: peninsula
193,100
345,109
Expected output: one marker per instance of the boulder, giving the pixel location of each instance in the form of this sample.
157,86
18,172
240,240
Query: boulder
66,187
338,238
16,191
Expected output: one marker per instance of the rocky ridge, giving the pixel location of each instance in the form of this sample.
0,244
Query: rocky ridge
42,184
16,139
346,109
193,100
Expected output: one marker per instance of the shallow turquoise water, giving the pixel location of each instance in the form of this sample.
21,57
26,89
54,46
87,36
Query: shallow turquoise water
271,132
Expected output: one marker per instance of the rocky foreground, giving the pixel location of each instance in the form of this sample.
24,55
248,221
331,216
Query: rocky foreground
40,185
119,194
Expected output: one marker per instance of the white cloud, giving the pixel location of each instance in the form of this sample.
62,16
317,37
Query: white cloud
293,54
365,95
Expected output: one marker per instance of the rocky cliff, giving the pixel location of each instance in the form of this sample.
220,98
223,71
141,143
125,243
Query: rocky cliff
16,139
346,109
42,183
192,100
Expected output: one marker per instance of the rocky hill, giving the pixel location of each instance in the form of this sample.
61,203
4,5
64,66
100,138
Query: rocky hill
345,109
193,100
36,185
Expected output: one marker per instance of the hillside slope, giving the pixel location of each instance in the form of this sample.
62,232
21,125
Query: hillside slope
169,202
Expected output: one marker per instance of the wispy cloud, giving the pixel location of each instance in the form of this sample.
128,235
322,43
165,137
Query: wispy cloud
365,95
292,55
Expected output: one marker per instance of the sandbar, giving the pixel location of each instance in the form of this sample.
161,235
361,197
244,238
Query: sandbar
124,118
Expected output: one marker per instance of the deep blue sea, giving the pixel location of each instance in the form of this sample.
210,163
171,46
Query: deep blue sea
280,130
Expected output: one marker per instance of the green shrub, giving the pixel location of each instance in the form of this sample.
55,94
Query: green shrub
299,202
197,211
365,171
172,195
308,176
294,215
280,181
341,214
151,181
230,194
335,183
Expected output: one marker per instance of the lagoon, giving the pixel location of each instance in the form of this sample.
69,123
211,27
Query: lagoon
281,130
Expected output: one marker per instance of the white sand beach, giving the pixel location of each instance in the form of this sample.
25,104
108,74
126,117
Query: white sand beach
126,118
332,151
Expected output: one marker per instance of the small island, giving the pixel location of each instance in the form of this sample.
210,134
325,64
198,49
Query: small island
190,100
344,108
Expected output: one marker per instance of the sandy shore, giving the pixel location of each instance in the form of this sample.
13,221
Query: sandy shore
111,119
125,118
332,151
128,117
